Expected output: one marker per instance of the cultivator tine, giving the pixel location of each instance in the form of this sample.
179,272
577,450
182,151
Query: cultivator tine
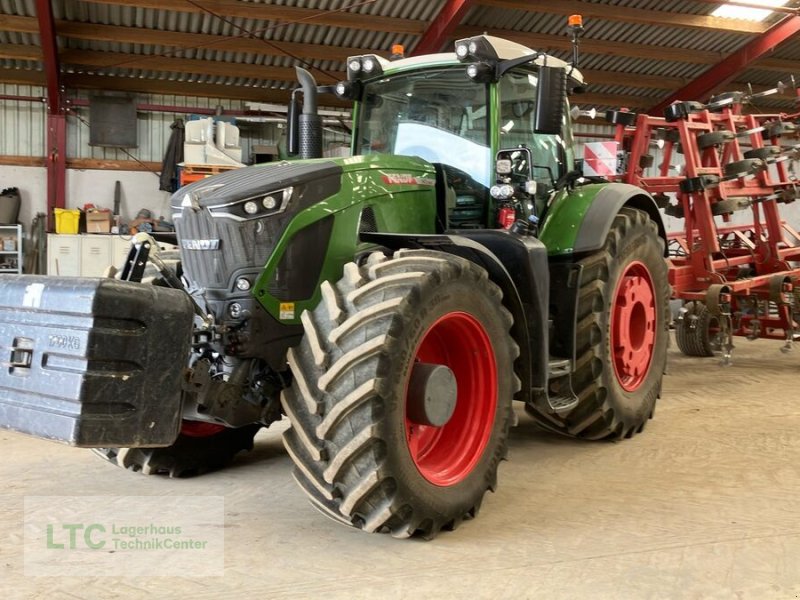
755,324
793,314
789,345
726,332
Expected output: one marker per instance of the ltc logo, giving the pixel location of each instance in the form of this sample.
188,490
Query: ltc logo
73,539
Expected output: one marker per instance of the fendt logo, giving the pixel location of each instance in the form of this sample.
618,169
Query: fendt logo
200,244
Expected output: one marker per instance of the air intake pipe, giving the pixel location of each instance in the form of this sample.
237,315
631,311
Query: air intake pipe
309,121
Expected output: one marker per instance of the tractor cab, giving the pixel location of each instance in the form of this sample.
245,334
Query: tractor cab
491,103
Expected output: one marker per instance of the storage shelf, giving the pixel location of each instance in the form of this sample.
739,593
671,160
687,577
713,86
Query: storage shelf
9,232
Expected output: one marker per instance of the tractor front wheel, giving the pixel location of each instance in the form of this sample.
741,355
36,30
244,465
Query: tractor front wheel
200,448
401,400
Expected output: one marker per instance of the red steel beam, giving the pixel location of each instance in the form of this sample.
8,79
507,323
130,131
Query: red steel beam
442,27
724,71
47,34
56,159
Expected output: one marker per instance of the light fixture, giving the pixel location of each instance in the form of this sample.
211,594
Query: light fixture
254,207
501,192
734,10
369,65
480,72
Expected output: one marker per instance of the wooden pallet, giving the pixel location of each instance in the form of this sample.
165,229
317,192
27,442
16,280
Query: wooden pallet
191,173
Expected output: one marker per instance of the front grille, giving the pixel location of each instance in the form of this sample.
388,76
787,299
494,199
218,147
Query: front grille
246,244
243,244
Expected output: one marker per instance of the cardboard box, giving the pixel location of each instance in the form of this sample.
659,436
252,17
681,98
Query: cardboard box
98,221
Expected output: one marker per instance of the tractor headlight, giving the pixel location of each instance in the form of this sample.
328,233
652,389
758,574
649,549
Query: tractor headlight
348,90
501,192
243,284
480,72
369,65
476,49
254,207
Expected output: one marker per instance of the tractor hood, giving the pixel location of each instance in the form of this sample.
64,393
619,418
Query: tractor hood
251,182
230,223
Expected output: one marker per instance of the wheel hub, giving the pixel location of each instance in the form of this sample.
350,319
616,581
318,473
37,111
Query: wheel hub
451,399
432,394
633,326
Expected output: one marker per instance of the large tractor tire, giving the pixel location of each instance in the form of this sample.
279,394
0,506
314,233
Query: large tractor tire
401,400
622,334
696,331
200,448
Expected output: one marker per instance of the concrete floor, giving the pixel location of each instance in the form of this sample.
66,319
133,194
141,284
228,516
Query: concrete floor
705,504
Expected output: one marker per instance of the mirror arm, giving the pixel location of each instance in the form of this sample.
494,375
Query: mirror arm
503,66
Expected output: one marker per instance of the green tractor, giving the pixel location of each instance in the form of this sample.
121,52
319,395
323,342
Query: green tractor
391,304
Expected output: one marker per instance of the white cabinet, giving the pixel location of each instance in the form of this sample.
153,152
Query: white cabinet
64,255
10,248
87,255
95,255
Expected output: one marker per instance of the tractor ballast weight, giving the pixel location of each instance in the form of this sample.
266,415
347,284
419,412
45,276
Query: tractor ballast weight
85,360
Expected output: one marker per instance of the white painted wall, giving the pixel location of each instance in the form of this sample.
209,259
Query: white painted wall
32,184
139,190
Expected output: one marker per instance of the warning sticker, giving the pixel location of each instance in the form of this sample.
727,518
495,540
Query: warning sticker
286,311
600,159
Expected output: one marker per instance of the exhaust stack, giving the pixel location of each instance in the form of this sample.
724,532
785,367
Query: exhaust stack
309,122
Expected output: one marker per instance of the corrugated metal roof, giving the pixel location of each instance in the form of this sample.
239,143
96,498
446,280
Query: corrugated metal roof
276,32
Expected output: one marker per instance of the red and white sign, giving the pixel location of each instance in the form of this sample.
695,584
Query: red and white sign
600,159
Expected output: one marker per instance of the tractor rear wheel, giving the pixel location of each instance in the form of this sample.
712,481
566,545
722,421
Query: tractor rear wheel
696,331
200,448
401,400
622,334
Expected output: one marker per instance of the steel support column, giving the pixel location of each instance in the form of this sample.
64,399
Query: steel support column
56,142
723,72
442,27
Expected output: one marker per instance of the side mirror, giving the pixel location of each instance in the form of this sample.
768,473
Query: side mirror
551,95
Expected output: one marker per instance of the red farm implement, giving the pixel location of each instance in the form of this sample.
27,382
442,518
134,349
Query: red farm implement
735,278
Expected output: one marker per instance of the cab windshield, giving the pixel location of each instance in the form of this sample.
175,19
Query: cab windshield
439,115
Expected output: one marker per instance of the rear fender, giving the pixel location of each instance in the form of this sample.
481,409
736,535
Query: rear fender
579,220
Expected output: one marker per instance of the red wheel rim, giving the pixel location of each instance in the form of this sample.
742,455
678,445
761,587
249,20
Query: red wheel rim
200,428
446,455
633,326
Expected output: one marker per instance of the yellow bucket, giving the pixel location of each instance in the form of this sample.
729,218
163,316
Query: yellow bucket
67,220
